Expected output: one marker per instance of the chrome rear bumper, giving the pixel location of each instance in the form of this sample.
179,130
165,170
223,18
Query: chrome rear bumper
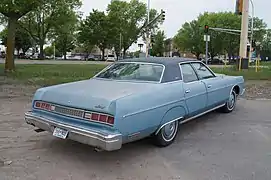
243,92
108,142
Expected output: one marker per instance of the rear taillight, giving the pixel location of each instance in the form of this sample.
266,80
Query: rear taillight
96,117
103,118
43,106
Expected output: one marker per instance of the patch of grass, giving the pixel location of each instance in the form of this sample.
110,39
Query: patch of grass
250,74
265,63
46,75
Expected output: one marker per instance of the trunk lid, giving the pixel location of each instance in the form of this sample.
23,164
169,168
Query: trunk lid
93,95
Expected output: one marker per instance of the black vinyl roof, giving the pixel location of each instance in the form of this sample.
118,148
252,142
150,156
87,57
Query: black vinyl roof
159,60
172,70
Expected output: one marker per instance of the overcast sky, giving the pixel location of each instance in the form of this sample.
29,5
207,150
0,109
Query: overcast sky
180,11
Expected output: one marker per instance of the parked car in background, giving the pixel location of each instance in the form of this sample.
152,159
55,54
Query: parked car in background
215,61
92,57
110,57
133,99
34,56
2,54
75,57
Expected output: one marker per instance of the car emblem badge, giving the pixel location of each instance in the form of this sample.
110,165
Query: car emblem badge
99,107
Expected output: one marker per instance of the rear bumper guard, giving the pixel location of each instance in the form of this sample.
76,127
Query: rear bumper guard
108,142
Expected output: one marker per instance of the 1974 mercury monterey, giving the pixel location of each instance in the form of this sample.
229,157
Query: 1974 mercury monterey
133,99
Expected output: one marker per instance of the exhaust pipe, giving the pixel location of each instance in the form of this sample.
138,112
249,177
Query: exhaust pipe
39,130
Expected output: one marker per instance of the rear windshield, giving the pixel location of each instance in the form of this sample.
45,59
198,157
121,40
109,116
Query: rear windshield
133,72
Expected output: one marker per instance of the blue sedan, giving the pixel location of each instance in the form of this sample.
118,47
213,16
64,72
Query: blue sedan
133,99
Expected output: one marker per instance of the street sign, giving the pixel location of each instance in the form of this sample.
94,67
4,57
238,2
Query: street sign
207,38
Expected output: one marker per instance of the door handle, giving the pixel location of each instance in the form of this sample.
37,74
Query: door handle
209,86
187,91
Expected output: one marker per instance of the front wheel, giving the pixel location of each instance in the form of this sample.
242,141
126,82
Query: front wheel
167,134
231,103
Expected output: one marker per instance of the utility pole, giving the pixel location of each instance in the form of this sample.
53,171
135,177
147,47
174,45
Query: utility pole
252,29
54,50
120,44
206,39
244,32
148,31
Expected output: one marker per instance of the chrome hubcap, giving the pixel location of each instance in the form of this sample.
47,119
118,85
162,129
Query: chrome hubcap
231,101
169,131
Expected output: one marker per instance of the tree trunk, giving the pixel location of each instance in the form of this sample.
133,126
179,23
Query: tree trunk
103,53
65,55
41,54
197,55
9,64
124,53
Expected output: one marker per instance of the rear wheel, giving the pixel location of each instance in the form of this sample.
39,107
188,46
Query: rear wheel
231,103
167,134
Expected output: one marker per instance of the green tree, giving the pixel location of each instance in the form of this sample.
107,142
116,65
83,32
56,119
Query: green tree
129,19
22,39
14,10
51,14
260,29
158,47
136,54
168,45
64,34
95,30
190,38
265,50
49,51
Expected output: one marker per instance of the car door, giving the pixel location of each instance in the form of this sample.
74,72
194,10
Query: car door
195,90
216,87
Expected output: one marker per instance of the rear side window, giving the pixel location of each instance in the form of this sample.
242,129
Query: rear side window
188,73
202,71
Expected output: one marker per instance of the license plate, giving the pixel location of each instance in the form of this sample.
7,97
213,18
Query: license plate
60,133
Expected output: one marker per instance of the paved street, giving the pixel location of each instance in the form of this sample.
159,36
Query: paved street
234,146
82,62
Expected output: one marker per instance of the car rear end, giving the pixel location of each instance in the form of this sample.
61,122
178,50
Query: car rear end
93,128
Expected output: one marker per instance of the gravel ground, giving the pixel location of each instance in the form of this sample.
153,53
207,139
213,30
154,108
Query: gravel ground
258,90
217,146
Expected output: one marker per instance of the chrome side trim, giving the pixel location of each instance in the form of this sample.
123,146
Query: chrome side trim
177,119
172,82
243,92
201,114
152,108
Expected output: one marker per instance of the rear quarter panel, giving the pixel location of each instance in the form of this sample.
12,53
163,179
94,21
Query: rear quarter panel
232,81
143,113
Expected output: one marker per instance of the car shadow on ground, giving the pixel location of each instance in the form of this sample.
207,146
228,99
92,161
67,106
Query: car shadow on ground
73,151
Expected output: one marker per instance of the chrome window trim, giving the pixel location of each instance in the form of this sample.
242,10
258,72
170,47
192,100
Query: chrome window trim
182,73
189,62
130,81
204,66
134,62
